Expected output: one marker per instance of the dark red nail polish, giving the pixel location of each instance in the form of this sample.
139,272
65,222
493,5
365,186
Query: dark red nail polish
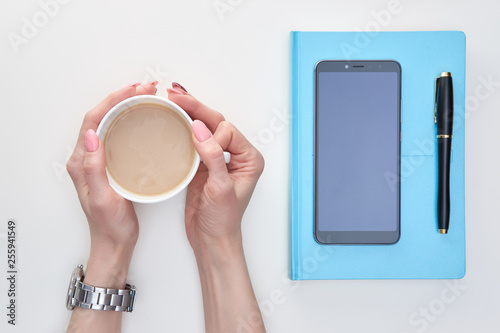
177,85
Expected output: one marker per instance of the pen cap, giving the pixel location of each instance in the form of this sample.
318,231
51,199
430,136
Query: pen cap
444,104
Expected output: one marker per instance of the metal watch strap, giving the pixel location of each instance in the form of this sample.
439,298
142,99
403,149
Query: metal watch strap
96,298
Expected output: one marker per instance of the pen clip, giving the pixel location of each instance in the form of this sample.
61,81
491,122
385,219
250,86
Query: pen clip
435,100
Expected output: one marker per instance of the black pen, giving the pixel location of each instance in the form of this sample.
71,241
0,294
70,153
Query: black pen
443,118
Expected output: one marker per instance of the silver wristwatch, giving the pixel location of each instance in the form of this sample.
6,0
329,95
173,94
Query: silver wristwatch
89,297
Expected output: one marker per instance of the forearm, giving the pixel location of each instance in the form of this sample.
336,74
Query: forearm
228,299
107,267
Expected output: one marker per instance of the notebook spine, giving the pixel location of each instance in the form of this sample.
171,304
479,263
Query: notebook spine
294,155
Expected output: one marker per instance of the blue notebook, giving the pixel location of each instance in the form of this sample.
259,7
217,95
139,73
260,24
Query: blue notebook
421,253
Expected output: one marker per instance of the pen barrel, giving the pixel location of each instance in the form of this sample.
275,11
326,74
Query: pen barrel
444,104
443,206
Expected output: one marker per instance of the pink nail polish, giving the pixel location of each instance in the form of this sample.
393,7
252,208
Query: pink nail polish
135,85
200,130
173,91
91,141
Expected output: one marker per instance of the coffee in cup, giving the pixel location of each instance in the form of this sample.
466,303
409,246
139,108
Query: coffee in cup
149,149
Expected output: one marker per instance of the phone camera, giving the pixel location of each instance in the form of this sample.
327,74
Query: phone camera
346,66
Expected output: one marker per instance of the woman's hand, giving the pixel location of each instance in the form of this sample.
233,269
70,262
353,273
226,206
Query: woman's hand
219,193
112,221
216,200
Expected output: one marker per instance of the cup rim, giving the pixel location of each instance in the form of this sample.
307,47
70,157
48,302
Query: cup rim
101,133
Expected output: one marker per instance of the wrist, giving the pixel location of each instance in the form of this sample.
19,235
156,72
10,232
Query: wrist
228,298
220,254
108,265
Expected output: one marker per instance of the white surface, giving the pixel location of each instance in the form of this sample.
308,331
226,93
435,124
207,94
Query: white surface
240,66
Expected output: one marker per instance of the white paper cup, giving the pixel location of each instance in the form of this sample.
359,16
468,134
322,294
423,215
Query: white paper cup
118,109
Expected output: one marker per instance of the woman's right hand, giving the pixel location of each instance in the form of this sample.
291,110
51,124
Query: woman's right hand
216,200
219,194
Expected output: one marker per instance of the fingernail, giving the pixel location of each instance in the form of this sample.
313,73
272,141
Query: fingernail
173,91
135,85
177,85
153,83
201,132
91,141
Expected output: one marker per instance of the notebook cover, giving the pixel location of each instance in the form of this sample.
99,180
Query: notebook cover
421,253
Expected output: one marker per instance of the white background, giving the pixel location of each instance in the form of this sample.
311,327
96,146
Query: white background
238,63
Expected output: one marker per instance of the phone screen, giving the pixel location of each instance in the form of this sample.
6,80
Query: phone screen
357,152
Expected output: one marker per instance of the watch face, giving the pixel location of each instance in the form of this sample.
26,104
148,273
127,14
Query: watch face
71,290
75,277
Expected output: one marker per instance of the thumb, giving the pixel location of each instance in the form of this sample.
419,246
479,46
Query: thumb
94,165
210,151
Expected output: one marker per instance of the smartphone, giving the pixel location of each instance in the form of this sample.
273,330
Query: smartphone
357,152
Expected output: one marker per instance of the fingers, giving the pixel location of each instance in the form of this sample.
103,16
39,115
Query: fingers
193,107
94,166
179,87
147,89
94,117
232,140
210,152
